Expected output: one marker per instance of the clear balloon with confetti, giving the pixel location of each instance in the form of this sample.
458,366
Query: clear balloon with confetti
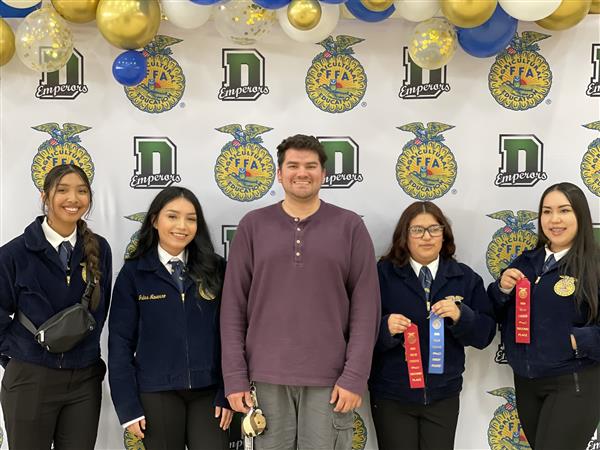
433,43
243,21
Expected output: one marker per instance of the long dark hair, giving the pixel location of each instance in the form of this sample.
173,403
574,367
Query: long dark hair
582,261
91,246
203,264
399,253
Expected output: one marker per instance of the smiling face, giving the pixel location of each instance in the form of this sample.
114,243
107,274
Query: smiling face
66,203
301,175
176,224
558,221
426,248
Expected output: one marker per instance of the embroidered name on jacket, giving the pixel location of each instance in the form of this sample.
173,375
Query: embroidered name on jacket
143,297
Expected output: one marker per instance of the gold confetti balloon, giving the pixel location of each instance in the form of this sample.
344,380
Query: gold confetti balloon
44,42
242,21
433,43
128,24
568,14
78,11
7,42
468,13
304,14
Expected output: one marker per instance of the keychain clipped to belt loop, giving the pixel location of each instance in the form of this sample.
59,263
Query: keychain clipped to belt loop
254,422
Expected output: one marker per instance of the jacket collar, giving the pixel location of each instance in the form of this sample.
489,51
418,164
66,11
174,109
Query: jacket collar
36,241
447,269
150,262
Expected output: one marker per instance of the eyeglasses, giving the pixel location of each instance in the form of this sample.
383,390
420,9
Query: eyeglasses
417,231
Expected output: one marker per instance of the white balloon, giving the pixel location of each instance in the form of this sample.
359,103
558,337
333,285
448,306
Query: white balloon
185,13
529,10
417,10
21,4
330,15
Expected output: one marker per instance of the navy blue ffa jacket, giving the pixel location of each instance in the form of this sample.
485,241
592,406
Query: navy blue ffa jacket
157,342
401,293
33,280
553,319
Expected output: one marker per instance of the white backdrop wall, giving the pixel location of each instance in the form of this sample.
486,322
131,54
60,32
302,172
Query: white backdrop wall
478,121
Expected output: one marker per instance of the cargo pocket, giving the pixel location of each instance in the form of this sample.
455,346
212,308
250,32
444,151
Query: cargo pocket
343,428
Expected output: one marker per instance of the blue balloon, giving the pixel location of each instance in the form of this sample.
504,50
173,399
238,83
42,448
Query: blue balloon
272,4
489,38
205,2
359,11
7,11
334,2
129,68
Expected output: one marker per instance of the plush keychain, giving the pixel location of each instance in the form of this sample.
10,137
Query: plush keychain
253,423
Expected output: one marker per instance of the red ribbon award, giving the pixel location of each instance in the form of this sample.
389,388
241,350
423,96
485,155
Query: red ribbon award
413,357
522,311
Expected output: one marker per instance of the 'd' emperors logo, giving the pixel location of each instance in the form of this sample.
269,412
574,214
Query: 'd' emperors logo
520,78
164,84
511,240
245,170
504,431
62,148
590,164
426,168
336,82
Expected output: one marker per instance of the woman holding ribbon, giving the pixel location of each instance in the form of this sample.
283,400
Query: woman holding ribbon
164,350
432,308
58,271
547,305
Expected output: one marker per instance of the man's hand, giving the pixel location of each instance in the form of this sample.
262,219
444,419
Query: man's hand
346,400
240,401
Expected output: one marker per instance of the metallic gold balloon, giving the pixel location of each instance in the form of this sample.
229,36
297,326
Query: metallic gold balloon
568,14
304,14
128,24
377,5
44,41
78,11
243,21
7,42
468,13
595,9
433,43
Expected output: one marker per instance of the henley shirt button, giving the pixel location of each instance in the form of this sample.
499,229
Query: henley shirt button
297,253
298,229
296,219
298,241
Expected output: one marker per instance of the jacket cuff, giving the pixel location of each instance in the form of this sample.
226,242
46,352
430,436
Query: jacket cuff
220,399
465,321
500,297
385,340
128,413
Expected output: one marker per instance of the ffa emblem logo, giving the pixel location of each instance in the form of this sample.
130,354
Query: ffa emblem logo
359,436
164,84
522,292
135,237
593,89
565,287
511,240
590,164
511,173
421,83
245,170
341,167
426,168
62,148
146,175
520,78
412,338
253,84
63,84
504,431
336,82
132,442
227,234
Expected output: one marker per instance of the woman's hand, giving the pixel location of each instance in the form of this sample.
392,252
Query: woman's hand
138,428
509,278
226,416
446,308
397,323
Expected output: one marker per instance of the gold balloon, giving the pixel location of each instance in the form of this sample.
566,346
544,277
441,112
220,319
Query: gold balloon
433,43
595,9
128,24
468,13
78,11
7,42
377,5
568,14
304,14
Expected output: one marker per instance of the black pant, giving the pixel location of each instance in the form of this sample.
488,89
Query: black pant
43,405
562,412
177,418
408,426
